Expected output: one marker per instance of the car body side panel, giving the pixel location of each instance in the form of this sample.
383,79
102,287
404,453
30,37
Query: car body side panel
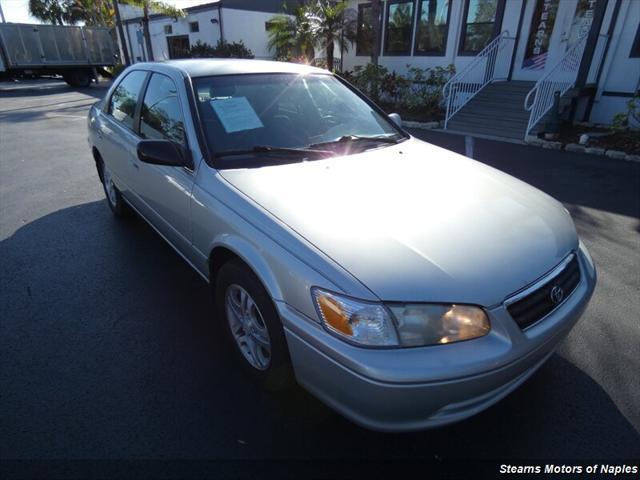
286,265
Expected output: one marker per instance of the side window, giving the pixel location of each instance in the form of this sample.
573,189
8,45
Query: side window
161,117
122,105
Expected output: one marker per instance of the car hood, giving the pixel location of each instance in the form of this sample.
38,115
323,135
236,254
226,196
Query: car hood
415,222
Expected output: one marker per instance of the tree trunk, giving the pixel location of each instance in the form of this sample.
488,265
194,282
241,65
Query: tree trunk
329,52
123,40
375,48
147,35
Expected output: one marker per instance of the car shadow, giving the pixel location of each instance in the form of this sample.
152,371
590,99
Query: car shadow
47,86
110,349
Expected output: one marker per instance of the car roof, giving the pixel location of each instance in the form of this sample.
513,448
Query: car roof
231,66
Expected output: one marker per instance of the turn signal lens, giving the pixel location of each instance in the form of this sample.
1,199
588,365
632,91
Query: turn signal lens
358,321
334,315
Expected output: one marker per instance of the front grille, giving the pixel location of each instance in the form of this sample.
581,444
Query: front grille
539,303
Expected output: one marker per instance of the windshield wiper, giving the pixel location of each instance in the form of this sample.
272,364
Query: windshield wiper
270,149
359,138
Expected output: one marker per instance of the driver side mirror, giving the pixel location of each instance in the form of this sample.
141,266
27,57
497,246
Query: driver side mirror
395,118
164,152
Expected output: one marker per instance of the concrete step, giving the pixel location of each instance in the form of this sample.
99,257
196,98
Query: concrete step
501,95
490,106
489,119
506,88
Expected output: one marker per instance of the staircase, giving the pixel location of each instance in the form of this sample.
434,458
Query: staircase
481,100
496,110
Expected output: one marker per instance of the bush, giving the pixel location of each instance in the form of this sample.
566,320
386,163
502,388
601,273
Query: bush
418,94
221,50
630,118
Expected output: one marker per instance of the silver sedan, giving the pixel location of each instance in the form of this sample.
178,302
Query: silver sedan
404,285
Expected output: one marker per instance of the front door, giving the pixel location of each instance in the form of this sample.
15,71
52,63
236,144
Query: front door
164,191
551,27
178,46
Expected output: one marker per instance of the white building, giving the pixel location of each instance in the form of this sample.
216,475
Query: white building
594,44
230,20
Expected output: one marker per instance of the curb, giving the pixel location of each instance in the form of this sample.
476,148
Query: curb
423,125
577,148
531,140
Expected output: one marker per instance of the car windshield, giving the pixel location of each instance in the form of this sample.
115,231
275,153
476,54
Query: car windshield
290,116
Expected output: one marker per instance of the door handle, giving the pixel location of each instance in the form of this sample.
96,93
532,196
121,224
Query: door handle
136,166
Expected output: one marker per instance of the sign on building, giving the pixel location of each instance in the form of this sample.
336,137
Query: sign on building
544,18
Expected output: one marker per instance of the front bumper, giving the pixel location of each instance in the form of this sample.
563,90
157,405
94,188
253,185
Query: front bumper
417,388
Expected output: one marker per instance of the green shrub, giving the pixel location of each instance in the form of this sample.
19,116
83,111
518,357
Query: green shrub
221,50
418,93
631,117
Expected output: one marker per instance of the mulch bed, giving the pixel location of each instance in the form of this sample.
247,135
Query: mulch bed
625,140
412,115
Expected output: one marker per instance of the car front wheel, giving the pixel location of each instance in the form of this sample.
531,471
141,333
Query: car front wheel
252,326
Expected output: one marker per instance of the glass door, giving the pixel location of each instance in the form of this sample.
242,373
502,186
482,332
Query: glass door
551,28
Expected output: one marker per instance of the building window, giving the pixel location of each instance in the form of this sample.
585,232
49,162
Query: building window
399,28
635,47
194,27
365,34
168,29
433,27
482,23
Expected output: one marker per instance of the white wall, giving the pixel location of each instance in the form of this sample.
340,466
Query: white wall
209,32
238,25
399,63
620,73
248,26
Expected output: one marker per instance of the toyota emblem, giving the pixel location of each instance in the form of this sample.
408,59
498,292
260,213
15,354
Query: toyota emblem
557,294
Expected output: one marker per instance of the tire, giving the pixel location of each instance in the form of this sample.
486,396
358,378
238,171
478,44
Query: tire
78,78
114,198
271,371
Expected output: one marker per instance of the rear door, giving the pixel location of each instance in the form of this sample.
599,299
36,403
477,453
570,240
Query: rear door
116,139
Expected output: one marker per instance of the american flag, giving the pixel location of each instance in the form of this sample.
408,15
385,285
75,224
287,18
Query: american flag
535,63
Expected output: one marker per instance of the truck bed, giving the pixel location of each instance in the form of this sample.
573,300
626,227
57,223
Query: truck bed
27,46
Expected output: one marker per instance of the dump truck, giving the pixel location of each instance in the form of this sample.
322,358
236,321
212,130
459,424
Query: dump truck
71,51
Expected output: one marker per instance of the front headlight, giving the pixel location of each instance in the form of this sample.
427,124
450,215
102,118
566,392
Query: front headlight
371,324
431,324
358,321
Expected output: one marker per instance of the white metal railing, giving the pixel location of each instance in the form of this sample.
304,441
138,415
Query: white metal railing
491,64
560,79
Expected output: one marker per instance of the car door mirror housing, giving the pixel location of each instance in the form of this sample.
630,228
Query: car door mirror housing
395,118
164,152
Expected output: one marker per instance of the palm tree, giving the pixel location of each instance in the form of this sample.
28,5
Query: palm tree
158,7
290,35
332,23
321,24
50,11
375,14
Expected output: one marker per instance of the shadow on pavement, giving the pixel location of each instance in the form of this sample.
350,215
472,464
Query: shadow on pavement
109,349
579,179
44,87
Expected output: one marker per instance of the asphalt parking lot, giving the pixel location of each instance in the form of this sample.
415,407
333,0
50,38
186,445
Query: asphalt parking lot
108,348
